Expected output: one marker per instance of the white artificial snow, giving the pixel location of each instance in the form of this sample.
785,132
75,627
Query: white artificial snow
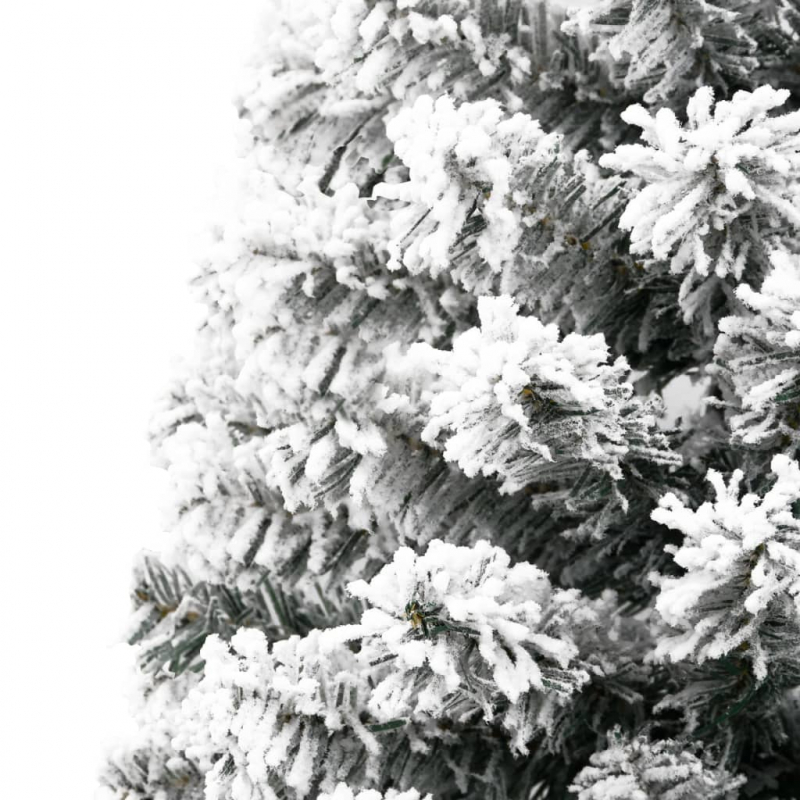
653,48
269,709
741,558
425,609
366,44
457,156
476,588
371,386
344,792
637,769
758,351
707,176
488,402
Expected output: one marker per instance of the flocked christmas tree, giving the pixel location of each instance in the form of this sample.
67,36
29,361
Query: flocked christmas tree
432,532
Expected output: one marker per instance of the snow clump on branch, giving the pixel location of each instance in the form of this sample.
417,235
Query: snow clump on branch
637,769
511,399
757,355
460,626
741,558
465,163
707,182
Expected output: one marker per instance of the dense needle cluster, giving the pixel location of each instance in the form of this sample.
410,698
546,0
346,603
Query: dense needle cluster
434,533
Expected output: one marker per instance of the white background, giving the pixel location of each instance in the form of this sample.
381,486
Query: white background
116,119
116,124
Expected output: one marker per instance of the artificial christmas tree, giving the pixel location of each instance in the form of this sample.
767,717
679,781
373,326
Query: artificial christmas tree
432,532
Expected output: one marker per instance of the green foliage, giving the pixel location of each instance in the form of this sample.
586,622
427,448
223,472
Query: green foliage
410,164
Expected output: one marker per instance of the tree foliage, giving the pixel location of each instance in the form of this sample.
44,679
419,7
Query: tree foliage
433,533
